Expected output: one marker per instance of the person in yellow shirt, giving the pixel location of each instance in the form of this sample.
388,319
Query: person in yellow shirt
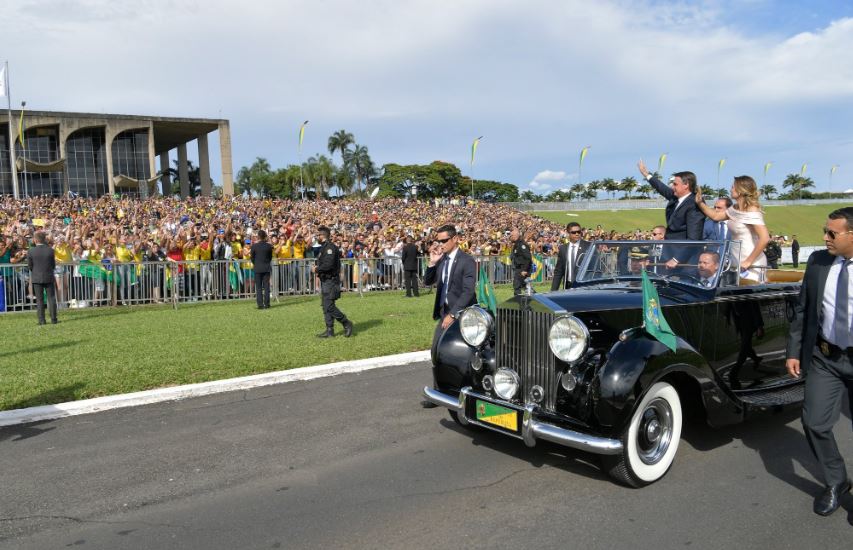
62,255
283,252
192,253
299,266
205,254
124,256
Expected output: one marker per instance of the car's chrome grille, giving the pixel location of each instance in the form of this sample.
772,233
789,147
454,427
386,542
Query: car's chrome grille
522,345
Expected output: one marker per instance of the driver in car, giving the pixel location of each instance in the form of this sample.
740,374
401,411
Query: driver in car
707,267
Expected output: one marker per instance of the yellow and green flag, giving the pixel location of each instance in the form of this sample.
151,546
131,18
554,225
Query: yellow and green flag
21,129
302,134
803,170
654,322
767,168
486,292
538,271
474,148
661,161
584,152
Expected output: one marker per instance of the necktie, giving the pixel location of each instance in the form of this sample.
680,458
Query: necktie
722,231
842,322
571,271
446,282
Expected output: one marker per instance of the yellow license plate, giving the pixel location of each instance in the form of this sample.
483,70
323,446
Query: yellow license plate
497,415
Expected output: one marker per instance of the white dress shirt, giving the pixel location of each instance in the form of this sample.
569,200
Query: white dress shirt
828,306
448,267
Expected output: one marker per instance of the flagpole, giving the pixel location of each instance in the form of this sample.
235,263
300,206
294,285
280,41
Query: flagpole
11,133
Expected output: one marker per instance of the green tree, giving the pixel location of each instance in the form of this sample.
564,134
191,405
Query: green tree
610,185
529,196
768,191
719,193
255,178
340,141
359,162
193,175
645,190
707,191
320,174
797,185
628,185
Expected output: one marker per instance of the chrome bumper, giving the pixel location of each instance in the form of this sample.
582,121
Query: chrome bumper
531,429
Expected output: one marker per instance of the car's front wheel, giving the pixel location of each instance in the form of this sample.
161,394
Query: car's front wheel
650,441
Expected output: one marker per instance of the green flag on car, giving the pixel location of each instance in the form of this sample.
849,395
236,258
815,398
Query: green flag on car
486,292
654,322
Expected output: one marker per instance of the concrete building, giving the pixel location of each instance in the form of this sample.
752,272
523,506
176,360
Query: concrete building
95,154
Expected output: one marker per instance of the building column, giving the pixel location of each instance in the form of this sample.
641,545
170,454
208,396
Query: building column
109,135
165,177
152,162
225,156
183,171
204,165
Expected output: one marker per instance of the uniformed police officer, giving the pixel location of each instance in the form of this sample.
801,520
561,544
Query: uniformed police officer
328,268
521,261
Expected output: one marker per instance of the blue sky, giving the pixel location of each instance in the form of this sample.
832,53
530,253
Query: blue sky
752,81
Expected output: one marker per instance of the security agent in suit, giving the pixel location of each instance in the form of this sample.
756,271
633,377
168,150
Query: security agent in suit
41,261
521,259
795,251
261,254
684,219
820,346
717,231
455,275
569,257
409,257
328,269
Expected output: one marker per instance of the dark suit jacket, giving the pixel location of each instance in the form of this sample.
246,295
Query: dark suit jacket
561,270
460,293
802,336
42,261
683,222
711,231
262,257
409,256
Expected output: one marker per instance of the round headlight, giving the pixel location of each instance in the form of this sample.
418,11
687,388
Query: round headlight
506,383
568,338
475,323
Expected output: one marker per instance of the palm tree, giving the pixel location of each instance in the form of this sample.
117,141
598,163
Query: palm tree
320,174
797,184
768,191
358,160
720,192
644,190
628,185
707,191
610,186
340,141
577,189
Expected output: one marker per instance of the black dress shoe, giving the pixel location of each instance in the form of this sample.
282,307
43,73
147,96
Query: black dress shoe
830,500
54,322
348,329
329,333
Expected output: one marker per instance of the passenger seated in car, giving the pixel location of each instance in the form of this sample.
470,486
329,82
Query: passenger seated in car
707,267
639,259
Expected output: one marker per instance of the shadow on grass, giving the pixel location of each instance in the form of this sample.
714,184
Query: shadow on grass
95,313
23,431
46,347
364,326
49,397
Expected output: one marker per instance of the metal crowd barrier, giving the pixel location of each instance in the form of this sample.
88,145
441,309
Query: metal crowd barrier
84,284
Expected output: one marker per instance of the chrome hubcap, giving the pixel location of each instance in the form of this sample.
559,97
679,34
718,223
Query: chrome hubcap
654,433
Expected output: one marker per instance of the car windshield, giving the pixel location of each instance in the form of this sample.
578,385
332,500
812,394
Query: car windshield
702,264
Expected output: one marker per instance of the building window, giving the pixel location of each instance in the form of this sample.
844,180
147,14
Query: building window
86,162
43,147
130,158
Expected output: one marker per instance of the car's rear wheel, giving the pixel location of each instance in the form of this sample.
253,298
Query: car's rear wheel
650,441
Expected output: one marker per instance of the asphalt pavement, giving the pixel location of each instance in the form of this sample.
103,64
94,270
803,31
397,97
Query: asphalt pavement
353,461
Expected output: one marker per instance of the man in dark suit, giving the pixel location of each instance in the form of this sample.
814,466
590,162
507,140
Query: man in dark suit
820,346
41,261
717,231
454,273
795,251
684,219
569,257
521,260
409,257
261,253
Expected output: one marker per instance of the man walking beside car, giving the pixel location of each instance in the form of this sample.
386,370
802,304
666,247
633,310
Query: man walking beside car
820,347
568,258
409,258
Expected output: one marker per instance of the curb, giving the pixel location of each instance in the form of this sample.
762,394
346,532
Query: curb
175,393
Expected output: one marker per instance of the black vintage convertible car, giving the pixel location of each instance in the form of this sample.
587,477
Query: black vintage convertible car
578,368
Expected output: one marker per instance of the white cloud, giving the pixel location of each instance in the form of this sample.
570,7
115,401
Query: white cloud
550,175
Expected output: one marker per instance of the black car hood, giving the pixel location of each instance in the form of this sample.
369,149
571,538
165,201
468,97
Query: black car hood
617,296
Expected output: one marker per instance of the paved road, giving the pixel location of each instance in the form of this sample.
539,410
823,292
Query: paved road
354,462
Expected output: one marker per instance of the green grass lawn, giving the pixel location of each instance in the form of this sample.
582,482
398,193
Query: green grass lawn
97,352
804,221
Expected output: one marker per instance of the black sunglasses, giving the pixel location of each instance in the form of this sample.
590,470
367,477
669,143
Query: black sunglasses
575,232
832,234
442,241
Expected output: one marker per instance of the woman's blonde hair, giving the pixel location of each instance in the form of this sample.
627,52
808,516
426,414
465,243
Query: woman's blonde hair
747,191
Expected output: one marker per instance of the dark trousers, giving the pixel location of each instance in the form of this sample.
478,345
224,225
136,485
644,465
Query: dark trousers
331,291
40,290
262,289
411,277
518,280
826,382
795,258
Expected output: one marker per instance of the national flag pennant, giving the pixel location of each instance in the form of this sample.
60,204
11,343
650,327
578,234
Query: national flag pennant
486,292
654,323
